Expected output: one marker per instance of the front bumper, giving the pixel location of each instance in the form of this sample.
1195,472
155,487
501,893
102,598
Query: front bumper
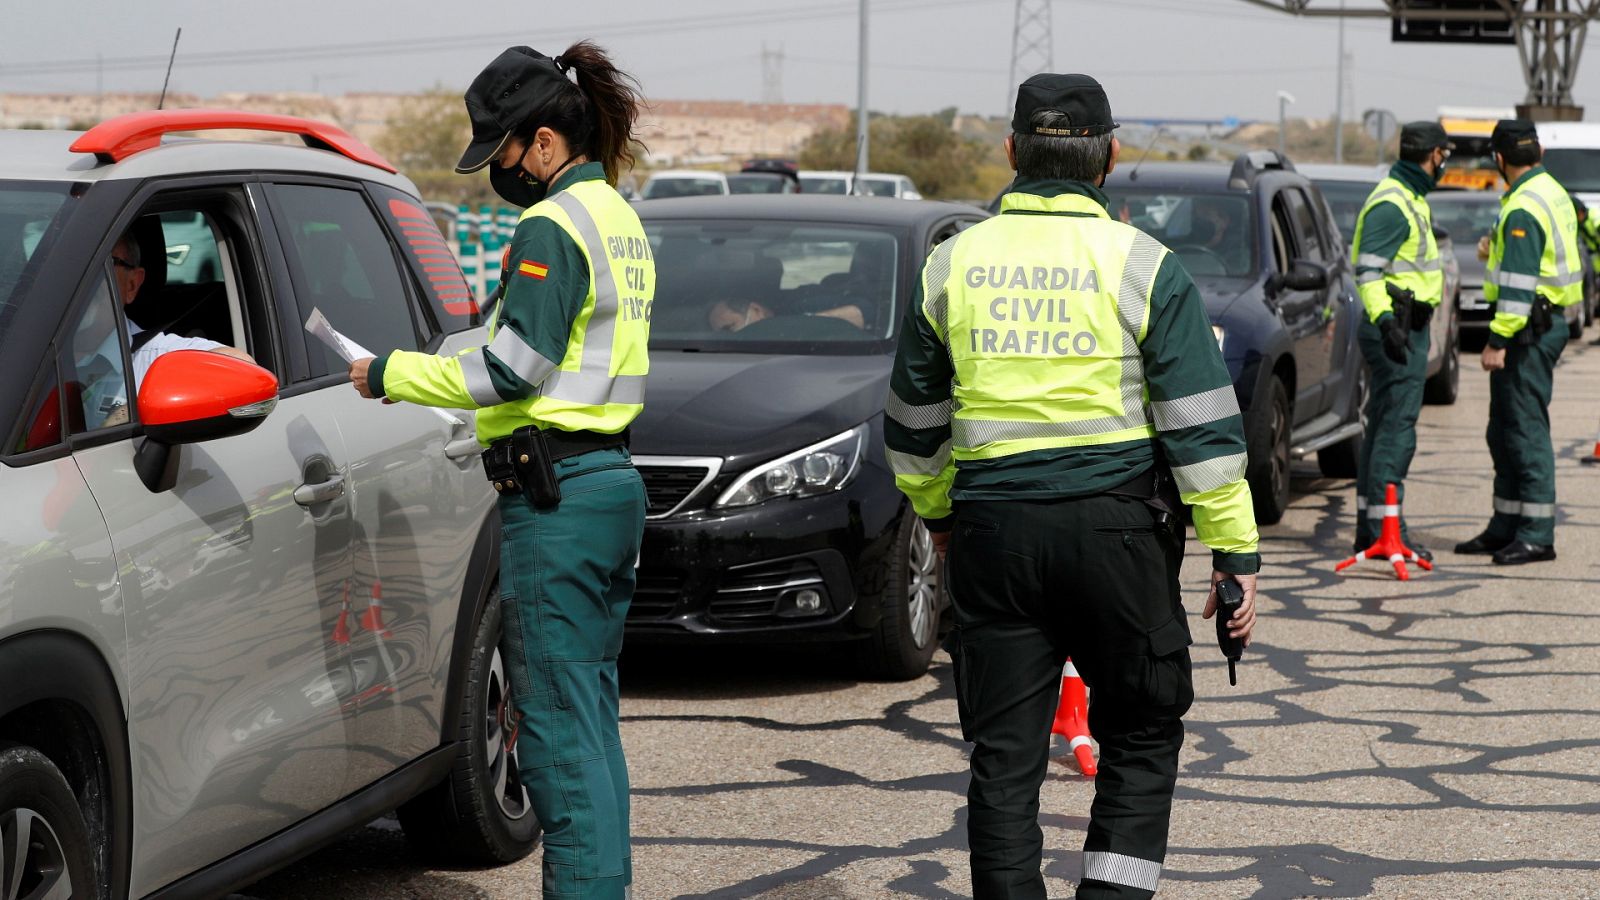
748,574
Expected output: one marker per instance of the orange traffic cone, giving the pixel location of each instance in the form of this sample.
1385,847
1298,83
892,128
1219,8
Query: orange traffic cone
341,628
1594,457
372,619
1072,719
1388,545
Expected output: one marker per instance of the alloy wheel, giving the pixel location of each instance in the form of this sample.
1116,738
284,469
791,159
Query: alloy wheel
33,865
1280,450
500,742
922,585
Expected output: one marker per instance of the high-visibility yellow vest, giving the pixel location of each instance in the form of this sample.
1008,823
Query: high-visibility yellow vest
1416,267
1043,327
1560,278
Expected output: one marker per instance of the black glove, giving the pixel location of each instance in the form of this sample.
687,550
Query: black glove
1396,342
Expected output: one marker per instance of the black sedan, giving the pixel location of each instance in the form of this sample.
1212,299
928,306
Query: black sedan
772,515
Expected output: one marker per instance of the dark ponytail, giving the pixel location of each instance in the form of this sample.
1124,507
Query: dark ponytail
597,116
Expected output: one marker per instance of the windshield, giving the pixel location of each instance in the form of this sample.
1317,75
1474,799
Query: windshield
1467,216
1577,169
1212,234
31,215
772,287
878,187
682,186
818,184
1346,198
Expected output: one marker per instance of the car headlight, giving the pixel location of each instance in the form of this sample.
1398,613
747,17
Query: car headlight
818,469
1216,331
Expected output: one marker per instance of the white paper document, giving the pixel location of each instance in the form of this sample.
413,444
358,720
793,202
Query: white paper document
350,351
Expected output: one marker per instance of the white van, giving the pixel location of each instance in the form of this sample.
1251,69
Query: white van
873,184
1572,156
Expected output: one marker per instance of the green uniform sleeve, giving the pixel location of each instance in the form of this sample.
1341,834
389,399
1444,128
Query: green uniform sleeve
547,281
1384,231
1198,421
916,426
1523,240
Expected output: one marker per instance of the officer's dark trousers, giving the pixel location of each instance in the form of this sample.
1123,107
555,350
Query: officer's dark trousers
1394,401
566,579
1034,583
1519,439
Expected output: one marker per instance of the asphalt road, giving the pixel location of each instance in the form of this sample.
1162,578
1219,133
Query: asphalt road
1435,738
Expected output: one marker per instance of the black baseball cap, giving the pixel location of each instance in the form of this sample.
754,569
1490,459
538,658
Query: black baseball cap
1423,135
1079,98
1509,134
504,96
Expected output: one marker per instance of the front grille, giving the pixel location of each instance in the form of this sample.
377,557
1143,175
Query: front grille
753,593
656,595
670,482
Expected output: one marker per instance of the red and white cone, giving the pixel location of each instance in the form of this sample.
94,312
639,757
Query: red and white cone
1593,458
1072,719
372,619
1389,545
341,628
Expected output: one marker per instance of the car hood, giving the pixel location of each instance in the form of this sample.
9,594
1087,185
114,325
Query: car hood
751,407
1221,293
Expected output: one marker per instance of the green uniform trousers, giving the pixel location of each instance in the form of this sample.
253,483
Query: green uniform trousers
1034,582
566,579
1394,401
1519,439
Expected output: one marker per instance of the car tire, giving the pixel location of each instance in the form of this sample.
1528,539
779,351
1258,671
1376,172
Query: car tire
38,812
481,813
1445,385
1342,460
1268,468
911,599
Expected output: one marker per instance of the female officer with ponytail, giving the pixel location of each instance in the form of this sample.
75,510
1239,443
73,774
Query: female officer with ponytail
555,388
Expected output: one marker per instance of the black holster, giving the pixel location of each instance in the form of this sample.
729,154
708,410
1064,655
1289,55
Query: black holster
526,460
1404,303
1540,320
1157,490
1421,315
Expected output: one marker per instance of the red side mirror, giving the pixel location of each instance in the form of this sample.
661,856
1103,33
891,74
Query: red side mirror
189,396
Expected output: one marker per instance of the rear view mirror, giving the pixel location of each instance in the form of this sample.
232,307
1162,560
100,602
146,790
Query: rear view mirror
189,396
1305,275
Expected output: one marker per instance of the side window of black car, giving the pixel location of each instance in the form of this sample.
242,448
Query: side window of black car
1305,226
343,266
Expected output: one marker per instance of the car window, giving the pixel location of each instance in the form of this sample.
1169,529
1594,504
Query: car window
659,188
192,255
1577,168
1467,219
1284,248
1211,234
1307,236
435,267
1346,198
343,265
878,187
731,286
811,184
31,214
97,389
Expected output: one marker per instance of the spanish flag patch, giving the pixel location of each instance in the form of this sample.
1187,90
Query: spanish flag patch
1519,233
533,269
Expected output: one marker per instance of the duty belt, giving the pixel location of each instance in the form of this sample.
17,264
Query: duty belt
524,461
565,444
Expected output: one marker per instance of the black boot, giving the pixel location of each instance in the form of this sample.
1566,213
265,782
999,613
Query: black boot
1519,552
1483,545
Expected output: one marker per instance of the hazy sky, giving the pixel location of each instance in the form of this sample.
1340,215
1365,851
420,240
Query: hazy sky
1172,58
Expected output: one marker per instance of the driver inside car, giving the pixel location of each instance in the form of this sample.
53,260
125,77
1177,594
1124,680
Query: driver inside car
1214,231
733,314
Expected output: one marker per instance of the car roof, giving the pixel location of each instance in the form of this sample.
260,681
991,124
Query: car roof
45,156
1188,175
882,211
1369,174
687,173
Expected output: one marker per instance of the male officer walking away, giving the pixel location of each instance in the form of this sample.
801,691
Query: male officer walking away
1534,270
1019,416
1401,280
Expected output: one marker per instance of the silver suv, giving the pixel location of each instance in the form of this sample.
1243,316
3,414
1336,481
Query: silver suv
244,610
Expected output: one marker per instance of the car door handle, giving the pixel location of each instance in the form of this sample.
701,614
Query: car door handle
320,492
463,448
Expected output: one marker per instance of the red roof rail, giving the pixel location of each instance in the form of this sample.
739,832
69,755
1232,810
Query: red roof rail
118,138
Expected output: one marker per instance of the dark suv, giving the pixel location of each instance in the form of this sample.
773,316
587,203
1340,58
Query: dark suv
1264,249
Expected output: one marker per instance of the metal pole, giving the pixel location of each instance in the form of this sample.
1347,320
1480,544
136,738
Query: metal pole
1338,102
1283,140
861,103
